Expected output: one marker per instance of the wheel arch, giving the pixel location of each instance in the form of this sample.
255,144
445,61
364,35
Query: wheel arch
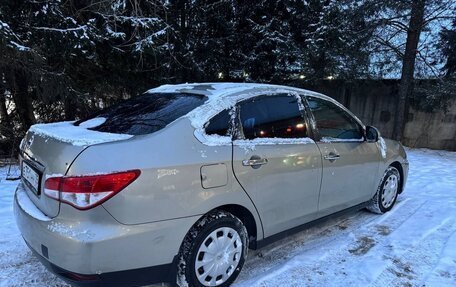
247,219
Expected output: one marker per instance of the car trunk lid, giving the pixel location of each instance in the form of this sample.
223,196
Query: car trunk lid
48,150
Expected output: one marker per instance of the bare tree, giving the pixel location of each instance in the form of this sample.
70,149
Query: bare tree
404,45
408,65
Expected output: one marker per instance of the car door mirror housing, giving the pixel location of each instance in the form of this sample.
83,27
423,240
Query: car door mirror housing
372,134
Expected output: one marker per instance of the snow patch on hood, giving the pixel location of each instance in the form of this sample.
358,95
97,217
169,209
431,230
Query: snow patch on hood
76,135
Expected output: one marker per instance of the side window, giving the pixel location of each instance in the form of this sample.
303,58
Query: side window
332,121
219,124
272,117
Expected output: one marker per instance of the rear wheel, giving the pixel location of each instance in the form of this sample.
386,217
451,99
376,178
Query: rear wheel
385,198
213,252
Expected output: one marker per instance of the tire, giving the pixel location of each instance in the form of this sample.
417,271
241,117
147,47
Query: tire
223,234
387,192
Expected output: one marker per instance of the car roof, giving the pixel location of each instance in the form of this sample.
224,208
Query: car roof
224,89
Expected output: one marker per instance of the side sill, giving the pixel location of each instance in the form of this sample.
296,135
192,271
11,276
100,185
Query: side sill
273,238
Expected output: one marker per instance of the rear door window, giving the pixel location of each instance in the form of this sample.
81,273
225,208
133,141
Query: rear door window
272,117
219,124
145,114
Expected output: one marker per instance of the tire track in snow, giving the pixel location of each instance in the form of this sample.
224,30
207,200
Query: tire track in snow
418,260
306,240
327,246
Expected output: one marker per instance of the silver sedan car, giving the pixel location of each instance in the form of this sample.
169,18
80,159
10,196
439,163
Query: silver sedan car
175,185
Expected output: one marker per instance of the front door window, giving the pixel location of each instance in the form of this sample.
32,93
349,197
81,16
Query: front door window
333,123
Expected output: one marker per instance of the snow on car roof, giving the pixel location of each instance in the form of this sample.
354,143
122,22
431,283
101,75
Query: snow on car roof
212,90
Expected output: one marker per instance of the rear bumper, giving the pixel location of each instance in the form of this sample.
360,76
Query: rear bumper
128,278
101,253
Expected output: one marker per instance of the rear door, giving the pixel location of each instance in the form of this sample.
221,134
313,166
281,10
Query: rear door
276,162
350,164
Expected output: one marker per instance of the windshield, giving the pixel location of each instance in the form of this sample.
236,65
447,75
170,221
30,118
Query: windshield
144,114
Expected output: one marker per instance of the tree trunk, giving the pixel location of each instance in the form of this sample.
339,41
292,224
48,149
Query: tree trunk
182,42
22,100
69,107
408,65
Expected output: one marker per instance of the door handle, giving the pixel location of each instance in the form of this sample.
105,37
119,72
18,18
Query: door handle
332,156
254,162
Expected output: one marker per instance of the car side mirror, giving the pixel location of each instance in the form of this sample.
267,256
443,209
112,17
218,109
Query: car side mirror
372,134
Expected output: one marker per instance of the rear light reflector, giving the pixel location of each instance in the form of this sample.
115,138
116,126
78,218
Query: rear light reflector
85,192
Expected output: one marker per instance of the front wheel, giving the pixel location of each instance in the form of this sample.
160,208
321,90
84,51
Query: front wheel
385,198
213,252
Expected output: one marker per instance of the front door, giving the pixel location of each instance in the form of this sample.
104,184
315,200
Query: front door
350,164
276,162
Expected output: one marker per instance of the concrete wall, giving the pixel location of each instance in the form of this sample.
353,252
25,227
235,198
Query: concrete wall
374,102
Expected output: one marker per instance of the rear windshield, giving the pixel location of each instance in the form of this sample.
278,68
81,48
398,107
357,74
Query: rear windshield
144,114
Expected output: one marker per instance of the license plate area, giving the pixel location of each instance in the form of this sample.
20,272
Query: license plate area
31,176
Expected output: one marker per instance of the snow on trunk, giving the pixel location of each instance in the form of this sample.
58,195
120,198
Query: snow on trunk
77,135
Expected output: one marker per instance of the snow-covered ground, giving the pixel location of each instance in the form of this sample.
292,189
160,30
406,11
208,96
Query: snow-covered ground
413,245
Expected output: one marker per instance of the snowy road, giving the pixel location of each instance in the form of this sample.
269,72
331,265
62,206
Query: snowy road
413,245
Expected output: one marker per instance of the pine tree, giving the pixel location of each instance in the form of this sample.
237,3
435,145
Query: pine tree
60,58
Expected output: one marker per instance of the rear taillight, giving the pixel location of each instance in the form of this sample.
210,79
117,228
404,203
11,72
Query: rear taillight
85,192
